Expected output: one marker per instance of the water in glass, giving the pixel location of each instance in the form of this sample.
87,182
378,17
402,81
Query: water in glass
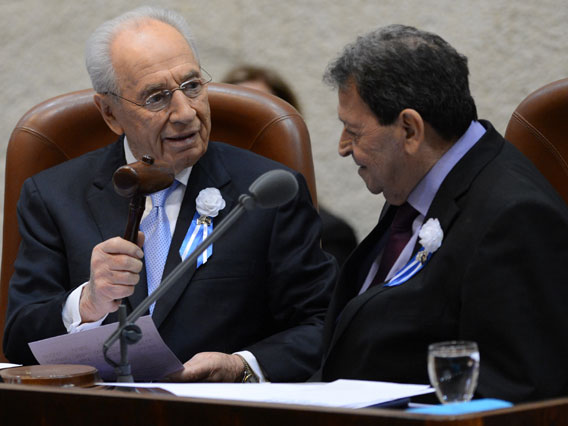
453,368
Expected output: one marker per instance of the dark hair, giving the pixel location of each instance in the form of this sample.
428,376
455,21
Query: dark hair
398,67
276,84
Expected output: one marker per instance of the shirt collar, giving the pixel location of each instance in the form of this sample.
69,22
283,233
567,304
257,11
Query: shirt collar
182,177
422,195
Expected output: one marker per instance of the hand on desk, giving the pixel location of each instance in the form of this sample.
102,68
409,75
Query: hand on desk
211,367
115,267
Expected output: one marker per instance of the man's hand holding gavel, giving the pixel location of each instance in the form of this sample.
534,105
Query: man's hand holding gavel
115,267
116,263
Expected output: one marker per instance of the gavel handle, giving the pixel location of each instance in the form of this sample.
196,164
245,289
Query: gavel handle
135,210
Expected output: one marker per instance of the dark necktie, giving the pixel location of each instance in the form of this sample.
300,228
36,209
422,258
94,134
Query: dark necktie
400,233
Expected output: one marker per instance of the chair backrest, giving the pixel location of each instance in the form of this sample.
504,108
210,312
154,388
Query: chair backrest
539,128
69,125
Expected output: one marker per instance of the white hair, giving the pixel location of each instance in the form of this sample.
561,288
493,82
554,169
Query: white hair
97,52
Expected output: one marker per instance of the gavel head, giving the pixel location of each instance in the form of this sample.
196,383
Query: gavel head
142,178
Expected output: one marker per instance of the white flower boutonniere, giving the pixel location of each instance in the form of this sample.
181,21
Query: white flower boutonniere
430,237
208,203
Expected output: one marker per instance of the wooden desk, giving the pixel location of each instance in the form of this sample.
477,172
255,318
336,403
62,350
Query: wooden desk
37,405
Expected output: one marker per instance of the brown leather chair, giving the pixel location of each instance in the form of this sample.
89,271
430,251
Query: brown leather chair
539,128
69,125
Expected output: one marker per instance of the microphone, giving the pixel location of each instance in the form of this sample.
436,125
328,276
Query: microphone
271,189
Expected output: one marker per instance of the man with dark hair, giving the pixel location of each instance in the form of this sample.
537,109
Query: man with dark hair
252,308
471,243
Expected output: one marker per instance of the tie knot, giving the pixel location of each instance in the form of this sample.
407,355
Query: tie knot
404,217
159,198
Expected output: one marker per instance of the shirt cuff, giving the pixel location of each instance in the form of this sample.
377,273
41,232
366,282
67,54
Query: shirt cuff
72,316
254,365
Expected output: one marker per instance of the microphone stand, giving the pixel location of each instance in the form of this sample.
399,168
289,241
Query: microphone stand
127,331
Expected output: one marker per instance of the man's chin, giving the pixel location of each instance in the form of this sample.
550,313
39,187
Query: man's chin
372,188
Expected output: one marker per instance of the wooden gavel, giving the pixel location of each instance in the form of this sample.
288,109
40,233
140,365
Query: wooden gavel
136,181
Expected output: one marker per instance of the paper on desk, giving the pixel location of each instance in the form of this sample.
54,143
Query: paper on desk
341,393
4,365
150,358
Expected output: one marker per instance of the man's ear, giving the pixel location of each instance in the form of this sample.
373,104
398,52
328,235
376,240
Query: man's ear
413,127
107,108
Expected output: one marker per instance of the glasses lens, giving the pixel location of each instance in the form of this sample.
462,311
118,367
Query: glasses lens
192,88
158,100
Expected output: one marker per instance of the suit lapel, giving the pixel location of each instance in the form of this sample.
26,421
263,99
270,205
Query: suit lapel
360,261
109,210
352,307
353,275
208,172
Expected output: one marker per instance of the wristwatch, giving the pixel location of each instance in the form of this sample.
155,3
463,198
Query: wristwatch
248,373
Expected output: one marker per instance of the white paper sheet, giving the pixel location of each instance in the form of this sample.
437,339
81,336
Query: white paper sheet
150,358
8,365
341,393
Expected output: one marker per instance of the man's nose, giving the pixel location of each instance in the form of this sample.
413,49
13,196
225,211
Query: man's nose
181,108
344,148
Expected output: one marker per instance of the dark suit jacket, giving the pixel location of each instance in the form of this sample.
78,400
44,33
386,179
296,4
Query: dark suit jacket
337,237
265,289
499,279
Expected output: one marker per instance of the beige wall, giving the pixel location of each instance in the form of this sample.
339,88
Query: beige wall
513,48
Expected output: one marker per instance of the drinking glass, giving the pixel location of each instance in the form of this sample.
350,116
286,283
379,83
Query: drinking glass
453,368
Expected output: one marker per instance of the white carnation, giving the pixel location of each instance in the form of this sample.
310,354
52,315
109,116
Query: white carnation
209,202
431,235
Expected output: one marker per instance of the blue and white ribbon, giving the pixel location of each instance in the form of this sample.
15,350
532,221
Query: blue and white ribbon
410,269
200,228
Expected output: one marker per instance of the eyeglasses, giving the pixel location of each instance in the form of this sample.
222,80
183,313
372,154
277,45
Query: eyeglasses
160,100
